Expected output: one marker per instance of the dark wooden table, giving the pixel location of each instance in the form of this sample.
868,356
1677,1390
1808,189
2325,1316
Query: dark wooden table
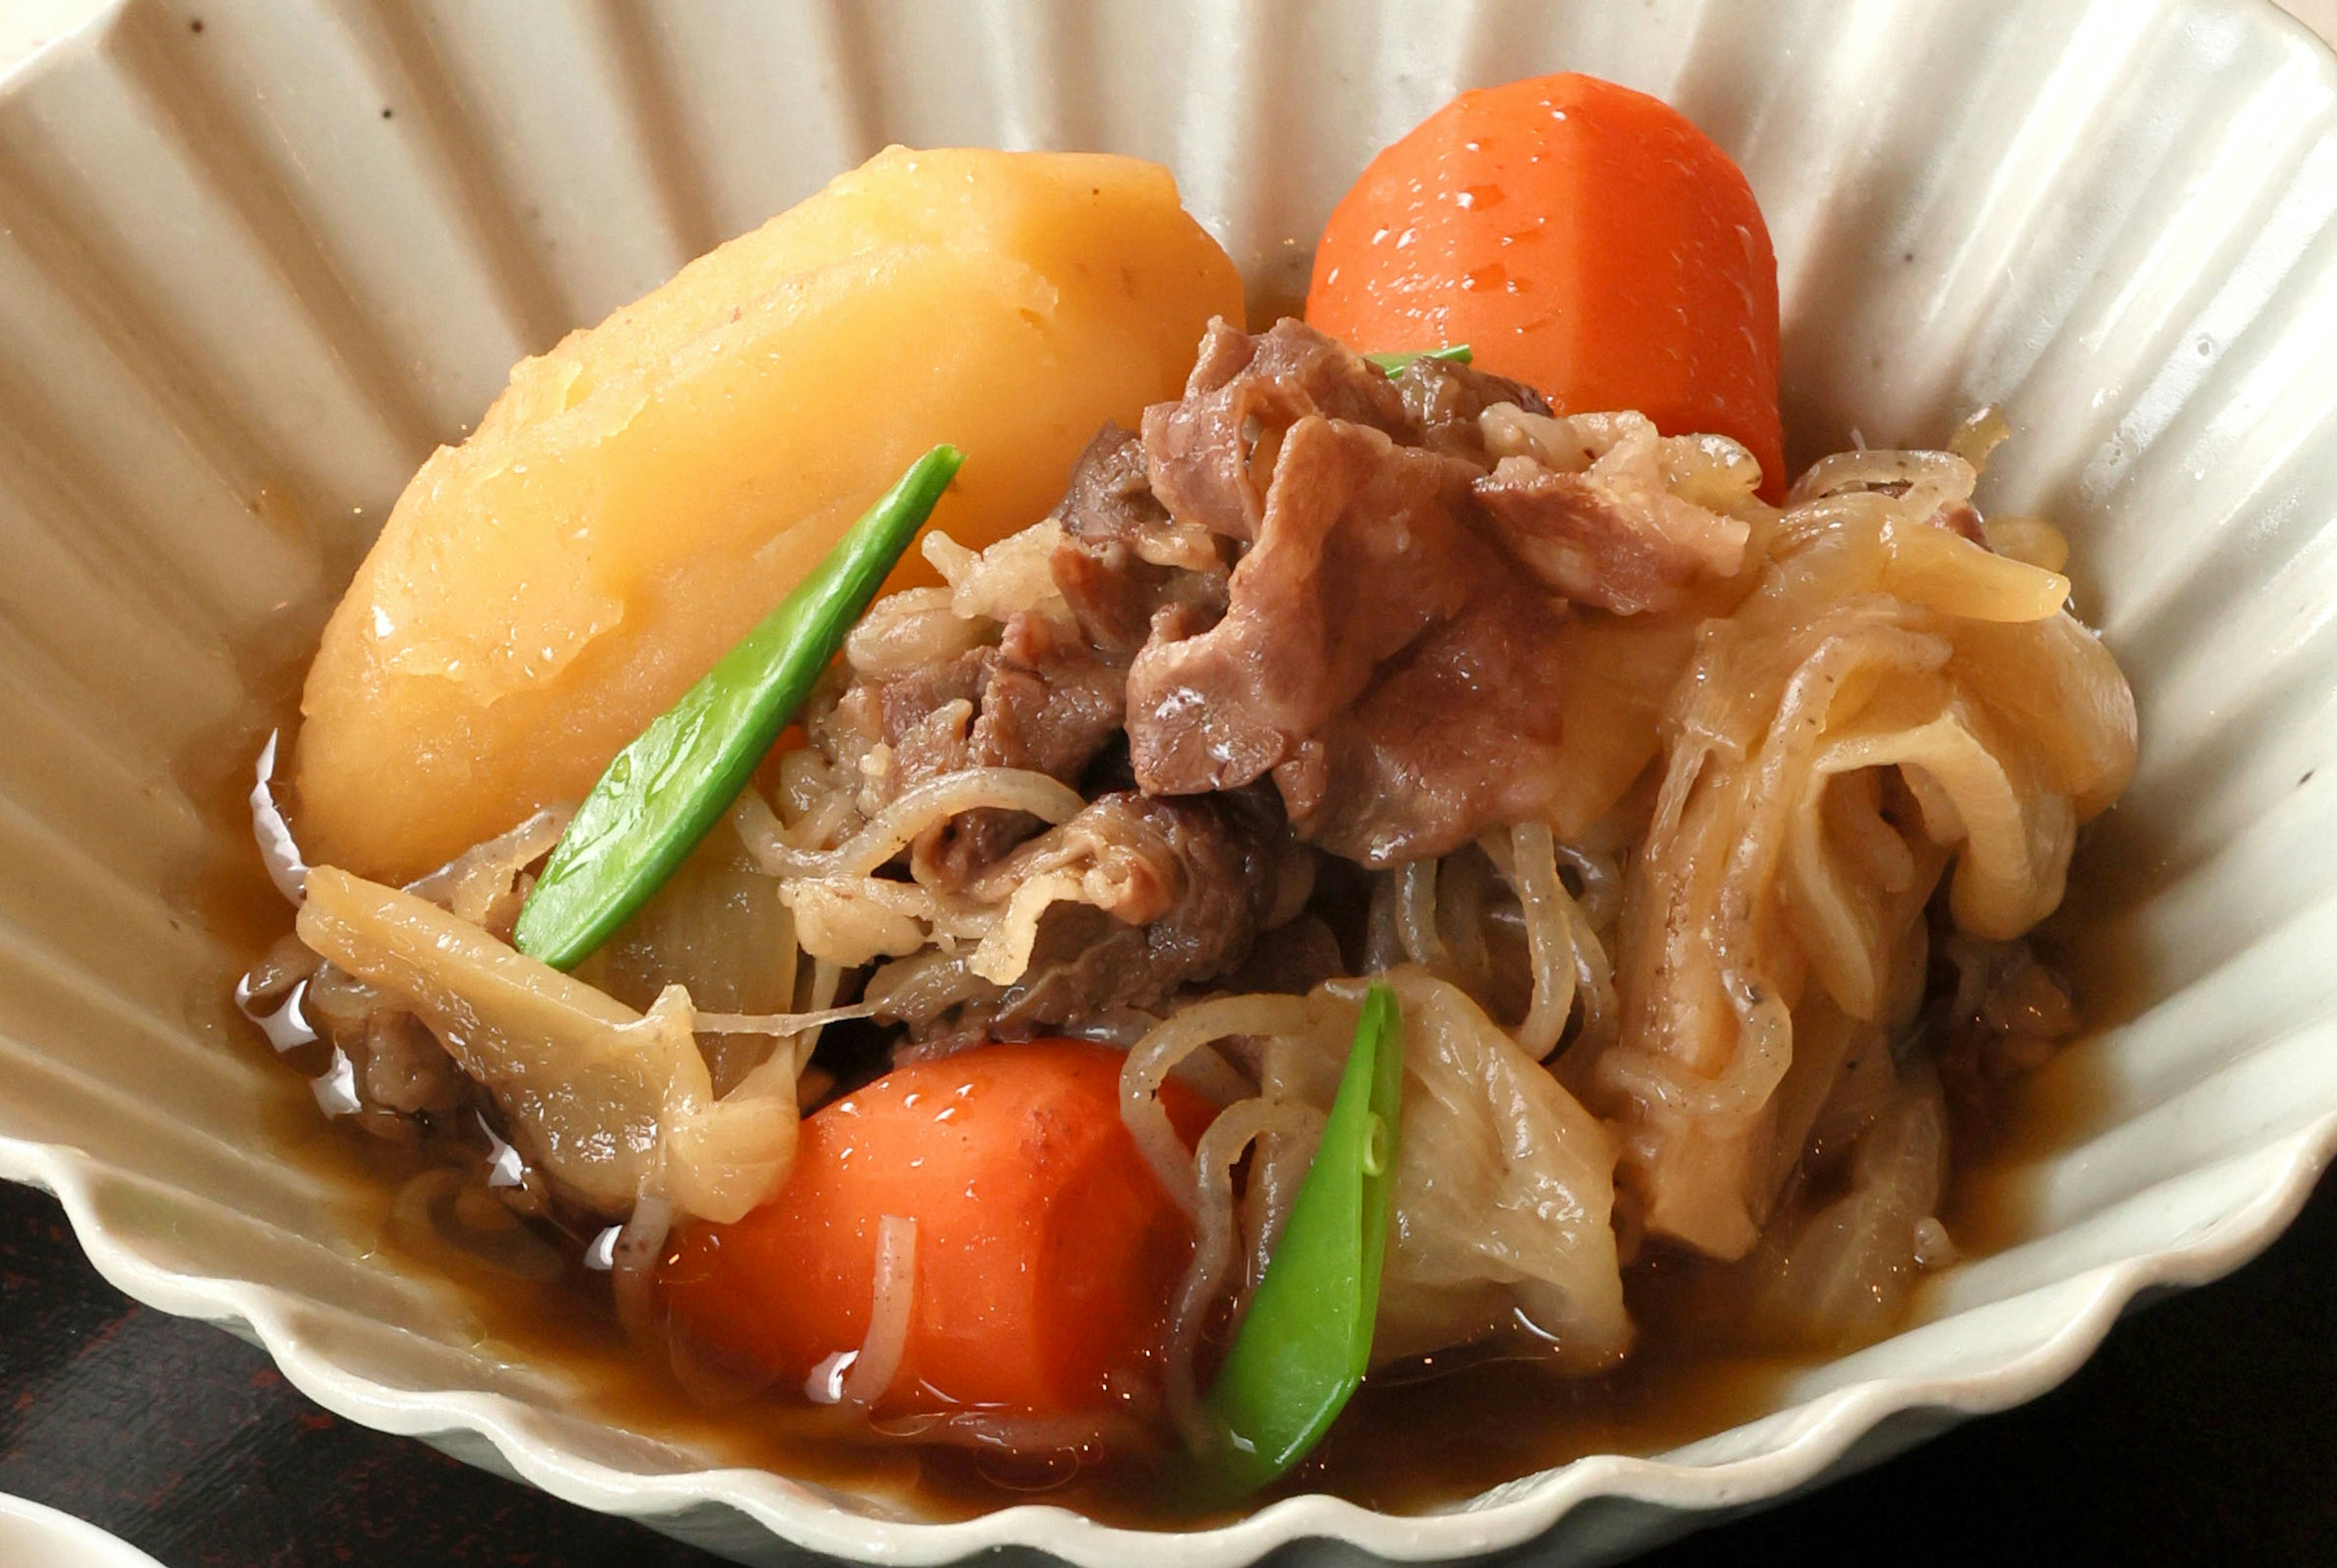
2205,1432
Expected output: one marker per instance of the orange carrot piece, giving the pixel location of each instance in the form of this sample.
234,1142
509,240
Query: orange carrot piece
1046,1250
1579,237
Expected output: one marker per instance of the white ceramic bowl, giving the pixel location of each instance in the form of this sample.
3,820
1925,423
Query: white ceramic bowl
32,1536
248,273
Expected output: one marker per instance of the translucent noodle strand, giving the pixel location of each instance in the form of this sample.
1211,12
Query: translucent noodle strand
890,1309
890,831
1156,1054
1551,938
1415,917
1212,1201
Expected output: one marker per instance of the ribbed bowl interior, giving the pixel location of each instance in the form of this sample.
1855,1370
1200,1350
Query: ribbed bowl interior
252,272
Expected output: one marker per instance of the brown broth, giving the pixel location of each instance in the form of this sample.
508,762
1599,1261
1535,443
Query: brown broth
1415,1439
1988,1207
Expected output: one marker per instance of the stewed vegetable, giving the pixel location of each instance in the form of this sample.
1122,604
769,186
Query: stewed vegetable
1306,1339
1043,1253
665,790
1391,855
1583,237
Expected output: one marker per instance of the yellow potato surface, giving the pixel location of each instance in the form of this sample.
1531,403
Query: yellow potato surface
643,494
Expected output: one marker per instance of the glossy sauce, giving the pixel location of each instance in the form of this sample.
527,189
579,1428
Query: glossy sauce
1416,1438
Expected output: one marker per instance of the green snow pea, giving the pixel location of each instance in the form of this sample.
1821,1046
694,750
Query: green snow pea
1306,1341
666,790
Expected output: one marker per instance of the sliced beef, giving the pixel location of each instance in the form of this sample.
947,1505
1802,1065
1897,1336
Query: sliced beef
1379,657
949,688
1050,705
1291,960
1304,571
1456,737
1625,551
1041,700
1210,455
1588,506
1354,562
1445,402
1122,561
1195,879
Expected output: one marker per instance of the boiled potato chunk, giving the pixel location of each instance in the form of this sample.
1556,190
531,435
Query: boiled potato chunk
643,494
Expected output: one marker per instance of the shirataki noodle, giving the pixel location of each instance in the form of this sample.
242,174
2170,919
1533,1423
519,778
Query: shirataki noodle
1714,997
